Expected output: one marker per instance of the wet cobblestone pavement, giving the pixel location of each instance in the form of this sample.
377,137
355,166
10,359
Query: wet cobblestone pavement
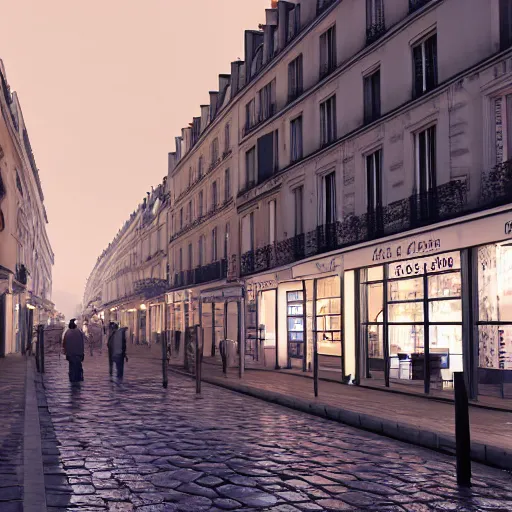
136,446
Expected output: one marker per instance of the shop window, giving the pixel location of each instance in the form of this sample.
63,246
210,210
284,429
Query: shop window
406,307
495,319
425,65
328,318
295,327
502,128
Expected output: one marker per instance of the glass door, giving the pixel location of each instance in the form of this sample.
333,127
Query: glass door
295,327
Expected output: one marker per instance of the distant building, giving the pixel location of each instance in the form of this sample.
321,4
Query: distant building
26,257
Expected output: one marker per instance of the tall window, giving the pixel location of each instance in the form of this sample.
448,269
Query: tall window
227,185
214,151
328,121
190,257
268,155
328,52
180,259
267,101
502,128
189,212
298,196
296,151
505,24
272,221
215,198
374,191
426,160
214,245
295,78
425,65
250,167
201,248
374,20
200,167
181,218
190,176
226,241
227,138
329,197
200,207
372,97
250,114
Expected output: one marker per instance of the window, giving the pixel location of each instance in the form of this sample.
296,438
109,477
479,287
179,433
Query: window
425,65
328,121
200,167
214,151
296,139
18,183
268,157
295,78
180,260
189,214
214,195
227,185
272,222
329,196
374,191
200,204
248,233
250,114
250,167
267,101
190,173
502,128
227,137
226,241
328,52
371,86
298,196
214,244
426,160
181,218
173,226
505,24
201,248
374,20
190,257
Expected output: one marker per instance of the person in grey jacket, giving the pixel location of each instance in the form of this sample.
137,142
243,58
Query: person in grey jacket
73,347
117,349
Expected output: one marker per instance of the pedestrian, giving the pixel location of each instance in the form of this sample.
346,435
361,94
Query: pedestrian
73,346
117,350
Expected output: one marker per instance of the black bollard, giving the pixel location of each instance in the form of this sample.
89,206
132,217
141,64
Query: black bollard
38,349
42,348
164,360
199,344
462,433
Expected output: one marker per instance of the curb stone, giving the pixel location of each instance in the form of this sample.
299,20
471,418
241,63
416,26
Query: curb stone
482,453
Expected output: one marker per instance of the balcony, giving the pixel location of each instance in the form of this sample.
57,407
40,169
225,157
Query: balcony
448,201
151,287
202,274
414,5
374,31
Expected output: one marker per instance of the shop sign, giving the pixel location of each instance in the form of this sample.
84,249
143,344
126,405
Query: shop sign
254,287
439,263
222,294
323,266
408,249
508,227
181,296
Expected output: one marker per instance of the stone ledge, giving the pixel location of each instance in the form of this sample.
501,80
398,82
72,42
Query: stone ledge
482,453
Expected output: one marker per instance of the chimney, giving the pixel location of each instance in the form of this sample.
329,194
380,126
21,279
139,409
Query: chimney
205,117
214,96
235,77
253,38
282,11
271,16
178,147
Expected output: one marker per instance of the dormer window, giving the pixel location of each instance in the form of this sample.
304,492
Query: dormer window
293,22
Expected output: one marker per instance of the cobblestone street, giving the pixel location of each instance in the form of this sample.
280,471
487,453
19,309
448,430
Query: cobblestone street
136,446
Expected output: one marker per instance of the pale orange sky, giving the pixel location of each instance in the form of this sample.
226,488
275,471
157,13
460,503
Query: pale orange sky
105,86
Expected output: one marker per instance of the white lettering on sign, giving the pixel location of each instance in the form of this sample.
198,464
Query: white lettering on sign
416,247
332,266
508,227
425,265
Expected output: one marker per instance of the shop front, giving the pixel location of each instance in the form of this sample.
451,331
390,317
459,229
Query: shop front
432,304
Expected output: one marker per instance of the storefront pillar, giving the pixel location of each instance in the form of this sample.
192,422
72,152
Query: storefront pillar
385,338
225,319
304,323
358,337
278,367
315,341
213,330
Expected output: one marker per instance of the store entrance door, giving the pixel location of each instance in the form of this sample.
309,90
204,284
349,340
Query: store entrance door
295,327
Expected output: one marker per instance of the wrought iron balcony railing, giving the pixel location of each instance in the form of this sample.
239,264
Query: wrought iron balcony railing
201,274
374,31
151,287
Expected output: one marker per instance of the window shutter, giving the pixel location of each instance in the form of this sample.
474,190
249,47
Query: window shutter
431,62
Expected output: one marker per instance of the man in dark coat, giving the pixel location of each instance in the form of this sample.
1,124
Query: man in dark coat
117,350
73,347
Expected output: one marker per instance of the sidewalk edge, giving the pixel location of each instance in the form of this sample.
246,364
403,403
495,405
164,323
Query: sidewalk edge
34,492
482,453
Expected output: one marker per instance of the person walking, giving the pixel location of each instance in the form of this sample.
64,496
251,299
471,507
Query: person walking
117,350
73,347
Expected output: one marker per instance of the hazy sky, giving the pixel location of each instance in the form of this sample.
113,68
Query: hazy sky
105,86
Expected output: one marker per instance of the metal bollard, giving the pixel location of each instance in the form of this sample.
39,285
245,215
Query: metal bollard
164,360
462,431
199,357
41,355
38,349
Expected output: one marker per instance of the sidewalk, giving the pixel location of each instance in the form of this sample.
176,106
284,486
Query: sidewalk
420,421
